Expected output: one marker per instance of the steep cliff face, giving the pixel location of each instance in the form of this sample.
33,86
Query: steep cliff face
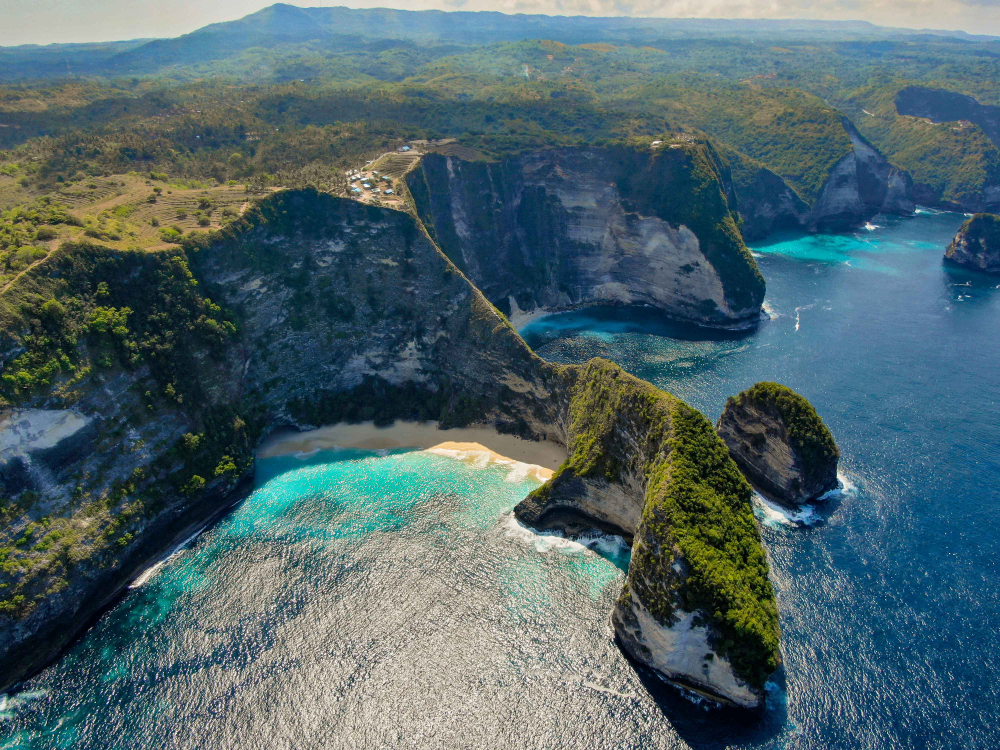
863,184
977,244
697,605
765,202
578,226
134,403
136,387
860,185
780,443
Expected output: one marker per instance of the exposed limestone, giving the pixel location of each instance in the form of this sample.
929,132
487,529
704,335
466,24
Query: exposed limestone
977,244
780,444
643,464
34,443
862,184
577,226
328,331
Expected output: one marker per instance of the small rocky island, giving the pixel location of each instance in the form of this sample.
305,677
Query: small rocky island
780,443
977,244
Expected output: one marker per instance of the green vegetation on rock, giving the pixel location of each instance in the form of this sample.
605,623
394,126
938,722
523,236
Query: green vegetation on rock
809,436
696,513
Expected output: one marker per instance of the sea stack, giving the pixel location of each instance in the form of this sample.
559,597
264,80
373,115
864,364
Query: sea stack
697,606
780,443
977,244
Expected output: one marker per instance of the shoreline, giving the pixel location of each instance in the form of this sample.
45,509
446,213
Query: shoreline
472,444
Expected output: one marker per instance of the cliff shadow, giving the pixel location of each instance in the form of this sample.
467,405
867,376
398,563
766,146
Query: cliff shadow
706,726
610,320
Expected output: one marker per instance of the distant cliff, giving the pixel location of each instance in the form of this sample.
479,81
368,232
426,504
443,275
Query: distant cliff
977,244
136,387
697,605
576,226
861,184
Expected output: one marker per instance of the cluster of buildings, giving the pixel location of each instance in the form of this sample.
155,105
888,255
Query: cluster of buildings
362,182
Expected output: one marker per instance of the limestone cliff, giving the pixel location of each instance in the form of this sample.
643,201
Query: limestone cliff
861,184
697,605
135,401
780,443
136,387
576,226
977,244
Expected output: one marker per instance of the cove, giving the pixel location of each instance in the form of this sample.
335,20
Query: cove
358,599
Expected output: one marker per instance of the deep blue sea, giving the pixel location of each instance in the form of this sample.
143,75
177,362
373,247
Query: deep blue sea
358,600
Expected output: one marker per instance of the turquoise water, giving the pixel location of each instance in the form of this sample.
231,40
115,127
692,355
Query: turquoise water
889,598
349,594
357,600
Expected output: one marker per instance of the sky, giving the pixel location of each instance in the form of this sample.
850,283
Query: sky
48,21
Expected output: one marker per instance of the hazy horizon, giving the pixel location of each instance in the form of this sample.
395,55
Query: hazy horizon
73,21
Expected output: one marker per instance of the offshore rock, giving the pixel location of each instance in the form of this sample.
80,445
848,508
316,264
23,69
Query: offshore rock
780,443
643,464
977,244
568,227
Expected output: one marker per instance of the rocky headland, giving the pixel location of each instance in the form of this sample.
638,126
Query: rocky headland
697,605
137,386
977,244
780,444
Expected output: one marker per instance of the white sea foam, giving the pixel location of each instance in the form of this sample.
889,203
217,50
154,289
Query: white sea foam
606,545
798,310
149,573
775,516
10,703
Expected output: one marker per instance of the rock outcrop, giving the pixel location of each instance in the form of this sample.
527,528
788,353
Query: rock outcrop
780,443
861,184
643,464
977,244
309,310
575,226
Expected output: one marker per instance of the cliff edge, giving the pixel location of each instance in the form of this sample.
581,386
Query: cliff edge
780,443
136,387
859,185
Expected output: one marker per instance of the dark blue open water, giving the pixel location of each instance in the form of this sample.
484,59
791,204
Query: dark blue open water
387,601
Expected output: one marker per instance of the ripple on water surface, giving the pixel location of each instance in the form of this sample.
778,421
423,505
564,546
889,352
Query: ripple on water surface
357,600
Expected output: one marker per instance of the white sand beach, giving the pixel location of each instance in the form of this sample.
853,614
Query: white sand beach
472,444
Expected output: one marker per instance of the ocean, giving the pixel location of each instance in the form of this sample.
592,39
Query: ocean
360,600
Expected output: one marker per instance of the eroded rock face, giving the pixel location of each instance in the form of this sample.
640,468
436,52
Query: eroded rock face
780,444
333,298
977,244
35,444
862,184
645,465
347,311
577,226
